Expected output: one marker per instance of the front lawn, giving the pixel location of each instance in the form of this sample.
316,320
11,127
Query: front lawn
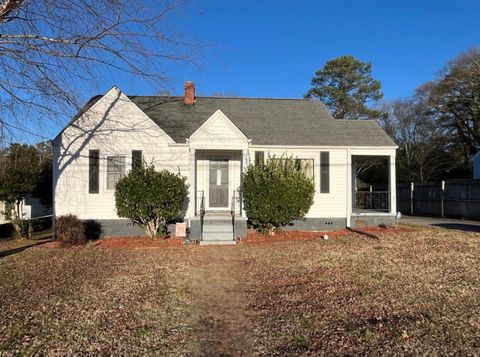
407,293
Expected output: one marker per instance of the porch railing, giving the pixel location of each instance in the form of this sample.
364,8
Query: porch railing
374,200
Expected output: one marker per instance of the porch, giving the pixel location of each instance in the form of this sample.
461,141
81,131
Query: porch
373,190
217,214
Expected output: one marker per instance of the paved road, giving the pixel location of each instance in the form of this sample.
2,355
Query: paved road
448,223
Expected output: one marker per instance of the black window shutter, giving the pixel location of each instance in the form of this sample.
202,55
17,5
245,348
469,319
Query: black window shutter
136,159
324,172
93,171
259,157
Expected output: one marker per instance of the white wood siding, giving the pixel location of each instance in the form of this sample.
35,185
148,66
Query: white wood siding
218,132
114,126
332,204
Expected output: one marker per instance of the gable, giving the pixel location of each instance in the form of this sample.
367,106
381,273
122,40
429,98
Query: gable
218,130
110,116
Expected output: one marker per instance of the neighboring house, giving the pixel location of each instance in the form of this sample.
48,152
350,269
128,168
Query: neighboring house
476,166
211,141
3,213
31,207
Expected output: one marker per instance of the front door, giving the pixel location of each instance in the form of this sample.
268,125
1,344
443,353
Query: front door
218,183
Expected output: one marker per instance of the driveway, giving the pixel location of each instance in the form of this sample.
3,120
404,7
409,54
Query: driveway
448,223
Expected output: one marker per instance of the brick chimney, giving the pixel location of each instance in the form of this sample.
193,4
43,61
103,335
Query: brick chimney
189,93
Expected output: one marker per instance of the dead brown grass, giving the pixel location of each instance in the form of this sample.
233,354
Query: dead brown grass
415,293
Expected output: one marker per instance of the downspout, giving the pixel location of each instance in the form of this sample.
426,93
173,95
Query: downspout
349,188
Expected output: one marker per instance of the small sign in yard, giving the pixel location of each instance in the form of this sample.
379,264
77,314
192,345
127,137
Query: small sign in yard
181,230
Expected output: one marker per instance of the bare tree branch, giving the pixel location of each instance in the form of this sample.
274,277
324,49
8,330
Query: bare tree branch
51,51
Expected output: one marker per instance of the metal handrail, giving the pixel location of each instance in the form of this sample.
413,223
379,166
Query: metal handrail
202,213
232,212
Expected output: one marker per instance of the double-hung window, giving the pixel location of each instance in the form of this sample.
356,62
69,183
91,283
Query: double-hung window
306,165
259,157
115,170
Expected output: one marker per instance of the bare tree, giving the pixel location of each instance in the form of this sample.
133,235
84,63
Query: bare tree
454,100
423,148
52,50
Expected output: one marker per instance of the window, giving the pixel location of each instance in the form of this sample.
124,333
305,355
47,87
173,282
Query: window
136,159
93,171
305,165
324,172
259,157
115,170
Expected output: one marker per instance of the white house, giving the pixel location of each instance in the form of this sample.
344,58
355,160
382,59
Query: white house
31,207
211,141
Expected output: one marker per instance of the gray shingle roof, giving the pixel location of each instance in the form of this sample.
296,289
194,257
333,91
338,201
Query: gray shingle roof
265,121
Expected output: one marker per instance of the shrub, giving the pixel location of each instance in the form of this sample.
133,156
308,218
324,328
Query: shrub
23,227
151,198
276,194
70,230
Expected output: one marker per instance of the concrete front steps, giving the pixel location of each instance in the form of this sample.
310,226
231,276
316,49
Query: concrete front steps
217,230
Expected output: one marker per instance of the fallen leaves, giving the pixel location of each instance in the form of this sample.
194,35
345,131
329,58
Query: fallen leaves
414,292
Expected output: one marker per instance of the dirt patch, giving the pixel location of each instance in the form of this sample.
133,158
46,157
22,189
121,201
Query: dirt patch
219,322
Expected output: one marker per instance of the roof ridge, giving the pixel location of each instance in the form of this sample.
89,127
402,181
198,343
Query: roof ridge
217,97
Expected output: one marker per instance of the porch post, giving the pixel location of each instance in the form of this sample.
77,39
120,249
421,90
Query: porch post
243,169
393,185
192,207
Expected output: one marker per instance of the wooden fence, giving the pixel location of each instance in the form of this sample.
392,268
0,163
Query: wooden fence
451,198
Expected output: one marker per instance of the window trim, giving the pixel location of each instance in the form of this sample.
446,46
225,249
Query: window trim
106,169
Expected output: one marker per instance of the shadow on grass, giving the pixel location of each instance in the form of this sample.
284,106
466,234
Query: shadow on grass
459,226
38,238
6,253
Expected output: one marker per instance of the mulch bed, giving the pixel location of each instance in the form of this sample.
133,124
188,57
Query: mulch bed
139,242
254,237
126,242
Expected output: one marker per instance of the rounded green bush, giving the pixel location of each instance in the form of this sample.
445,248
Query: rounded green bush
276,194
151,198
